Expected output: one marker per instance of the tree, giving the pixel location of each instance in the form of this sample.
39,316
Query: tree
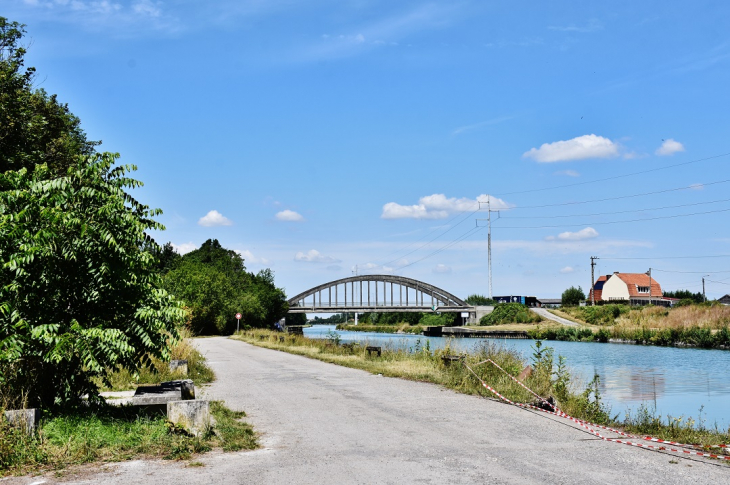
573,296
214,284
79,294
479,300
35,128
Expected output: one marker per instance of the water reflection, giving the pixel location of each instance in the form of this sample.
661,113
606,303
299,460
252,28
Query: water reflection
677,382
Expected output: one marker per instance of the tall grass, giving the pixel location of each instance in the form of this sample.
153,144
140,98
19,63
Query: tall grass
110,433
121,379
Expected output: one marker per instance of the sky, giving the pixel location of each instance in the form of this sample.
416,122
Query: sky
326,138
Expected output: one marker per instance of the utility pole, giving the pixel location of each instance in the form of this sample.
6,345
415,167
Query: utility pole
489,239
649,286
704,296
593,293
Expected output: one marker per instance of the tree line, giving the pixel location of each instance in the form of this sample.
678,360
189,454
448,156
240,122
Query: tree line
83,286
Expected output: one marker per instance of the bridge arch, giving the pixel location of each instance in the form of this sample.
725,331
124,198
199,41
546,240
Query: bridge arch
376,293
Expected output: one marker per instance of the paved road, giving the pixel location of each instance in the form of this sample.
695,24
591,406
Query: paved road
550,316
324,424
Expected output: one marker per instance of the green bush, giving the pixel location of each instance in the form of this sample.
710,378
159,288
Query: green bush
510,313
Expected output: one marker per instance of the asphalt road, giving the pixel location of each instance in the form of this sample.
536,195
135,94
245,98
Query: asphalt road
324,424
550,316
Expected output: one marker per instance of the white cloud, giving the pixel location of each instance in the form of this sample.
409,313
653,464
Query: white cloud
697,187
314,256
372,268
214,218
481,124
289,216
579,148
567,269
184,248
147,8
438,206
442,269
587,233
384,32
669,147
248,257
569,173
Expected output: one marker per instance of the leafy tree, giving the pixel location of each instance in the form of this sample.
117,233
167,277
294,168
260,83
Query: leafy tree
296,319
78,293
685,295
573,296
214,284
35,128
479,300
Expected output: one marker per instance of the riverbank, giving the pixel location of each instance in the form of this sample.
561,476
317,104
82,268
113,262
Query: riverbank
404,328
551,379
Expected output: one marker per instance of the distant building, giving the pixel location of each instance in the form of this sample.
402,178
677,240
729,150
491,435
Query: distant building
725,300
549,302
634,288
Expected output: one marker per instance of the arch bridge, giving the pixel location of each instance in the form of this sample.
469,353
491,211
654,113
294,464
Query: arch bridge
376,293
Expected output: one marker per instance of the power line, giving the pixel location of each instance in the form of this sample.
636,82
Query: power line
614,222
615,177
622,212
432,240
621,197
690,272
672,257
467,234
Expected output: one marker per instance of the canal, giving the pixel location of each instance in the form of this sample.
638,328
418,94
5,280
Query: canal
678,382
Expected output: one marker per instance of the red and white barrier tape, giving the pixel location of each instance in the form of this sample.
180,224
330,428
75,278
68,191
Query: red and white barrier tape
587,425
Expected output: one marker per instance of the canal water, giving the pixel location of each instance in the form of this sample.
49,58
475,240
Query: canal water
677,382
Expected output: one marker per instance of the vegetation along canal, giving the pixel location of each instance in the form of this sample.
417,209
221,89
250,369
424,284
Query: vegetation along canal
678,381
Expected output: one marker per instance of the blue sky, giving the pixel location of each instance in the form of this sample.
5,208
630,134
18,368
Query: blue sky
319,136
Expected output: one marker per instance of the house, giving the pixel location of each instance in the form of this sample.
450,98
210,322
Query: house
634,288
725,300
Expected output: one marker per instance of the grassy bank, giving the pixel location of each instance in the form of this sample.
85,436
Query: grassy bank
705,326
105,433
109,434
550,378
121,379
403,328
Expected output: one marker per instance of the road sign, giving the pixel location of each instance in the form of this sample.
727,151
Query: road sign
238,316
238,322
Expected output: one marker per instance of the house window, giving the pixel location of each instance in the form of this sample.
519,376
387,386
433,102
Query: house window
642,289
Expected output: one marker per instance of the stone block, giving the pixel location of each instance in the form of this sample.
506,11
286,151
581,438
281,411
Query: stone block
163,393
24,418
193,416
179,366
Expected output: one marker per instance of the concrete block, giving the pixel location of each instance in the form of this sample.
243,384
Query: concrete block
179,366
163,393
193,416
24,418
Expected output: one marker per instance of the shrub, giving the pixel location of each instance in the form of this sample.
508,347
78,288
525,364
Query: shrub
510,313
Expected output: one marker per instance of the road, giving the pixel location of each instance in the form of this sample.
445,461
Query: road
325,424
543,312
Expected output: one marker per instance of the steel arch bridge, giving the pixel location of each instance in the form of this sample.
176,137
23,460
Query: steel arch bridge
376,293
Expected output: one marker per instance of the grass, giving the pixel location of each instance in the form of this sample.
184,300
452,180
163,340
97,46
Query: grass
110,434
510,313
703,325
105,433
550,378
121,379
